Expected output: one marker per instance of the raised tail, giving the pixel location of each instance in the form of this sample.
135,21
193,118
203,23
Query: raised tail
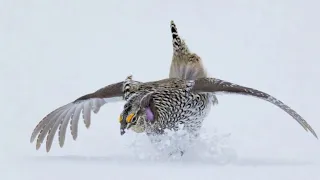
179,45
185,64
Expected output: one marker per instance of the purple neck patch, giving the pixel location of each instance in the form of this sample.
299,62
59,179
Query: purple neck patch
150,115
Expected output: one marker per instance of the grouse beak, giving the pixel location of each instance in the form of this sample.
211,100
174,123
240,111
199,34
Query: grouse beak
122,132
125,124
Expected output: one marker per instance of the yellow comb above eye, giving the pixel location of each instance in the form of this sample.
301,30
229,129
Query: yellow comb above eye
120,118
129,118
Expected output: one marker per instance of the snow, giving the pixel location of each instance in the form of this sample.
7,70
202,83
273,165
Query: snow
52,52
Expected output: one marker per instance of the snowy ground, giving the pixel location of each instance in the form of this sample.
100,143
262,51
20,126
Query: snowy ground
51,52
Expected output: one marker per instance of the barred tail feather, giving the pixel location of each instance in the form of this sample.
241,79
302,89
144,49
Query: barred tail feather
185,65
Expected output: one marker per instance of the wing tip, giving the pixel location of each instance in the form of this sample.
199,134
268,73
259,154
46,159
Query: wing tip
38,145
314,133
74,137
61,145
31,139
48,149
33,136
308,128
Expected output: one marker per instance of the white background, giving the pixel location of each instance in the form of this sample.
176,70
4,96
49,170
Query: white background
53,51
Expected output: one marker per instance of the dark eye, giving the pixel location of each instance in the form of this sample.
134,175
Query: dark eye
134,119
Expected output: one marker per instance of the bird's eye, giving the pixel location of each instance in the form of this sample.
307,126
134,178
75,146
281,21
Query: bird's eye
133,119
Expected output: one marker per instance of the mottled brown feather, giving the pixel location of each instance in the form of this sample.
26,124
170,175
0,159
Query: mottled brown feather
216,85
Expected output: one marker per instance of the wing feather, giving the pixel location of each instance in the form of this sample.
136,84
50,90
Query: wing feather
53,131
217,85
63,127
74,121
47,127
87,114
60,117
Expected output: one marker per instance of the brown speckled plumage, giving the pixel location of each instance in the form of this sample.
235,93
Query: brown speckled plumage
183,98
188,106
163,94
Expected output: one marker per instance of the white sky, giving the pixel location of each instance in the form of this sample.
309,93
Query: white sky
52,52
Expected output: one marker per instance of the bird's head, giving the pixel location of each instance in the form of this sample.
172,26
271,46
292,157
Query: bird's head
132,118
136,113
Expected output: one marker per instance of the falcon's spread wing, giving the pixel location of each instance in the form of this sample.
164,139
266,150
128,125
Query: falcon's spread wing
217,85
60,117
